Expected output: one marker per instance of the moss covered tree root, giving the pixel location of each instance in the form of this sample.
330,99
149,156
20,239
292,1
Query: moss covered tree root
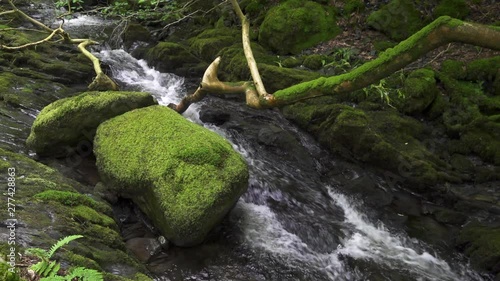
442,31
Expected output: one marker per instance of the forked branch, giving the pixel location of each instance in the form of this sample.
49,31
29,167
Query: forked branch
100,83
442,31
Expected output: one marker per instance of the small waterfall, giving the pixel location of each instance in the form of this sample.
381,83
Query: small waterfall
274,234
137,75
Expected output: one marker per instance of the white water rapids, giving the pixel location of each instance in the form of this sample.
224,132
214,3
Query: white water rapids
264,231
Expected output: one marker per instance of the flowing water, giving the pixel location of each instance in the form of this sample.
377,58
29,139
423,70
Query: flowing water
291,224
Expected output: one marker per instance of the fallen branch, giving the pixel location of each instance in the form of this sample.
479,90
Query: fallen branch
100,83
442,31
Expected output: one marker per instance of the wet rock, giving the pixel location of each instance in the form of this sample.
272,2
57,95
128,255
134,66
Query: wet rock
481,242
184,177
214,116
68,125
54,207
146,248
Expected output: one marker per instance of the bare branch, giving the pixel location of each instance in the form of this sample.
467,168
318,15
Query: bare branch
7,12
252,64
55,32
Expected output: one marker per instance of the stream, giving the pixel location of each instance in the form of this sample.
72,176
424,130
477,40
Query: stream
298,220
293,223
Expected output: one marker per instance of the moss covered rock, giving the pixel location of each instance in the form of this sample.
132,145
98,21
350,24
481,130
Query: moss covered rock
169,56
51,206
453,8
210,42
420,90
382,138
68,123
398,19
482,244
184,177
295,25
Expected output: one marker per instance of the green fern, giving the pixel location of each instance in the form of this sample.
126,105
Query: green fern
61,243
85,274
48,269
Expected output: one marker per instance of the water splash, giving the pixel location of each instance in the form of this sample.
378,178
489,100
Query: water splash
136,74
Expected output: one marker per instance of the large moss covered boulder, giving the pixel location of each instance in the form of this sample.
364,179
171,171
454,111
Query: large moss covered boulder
183,176
295,25
64,125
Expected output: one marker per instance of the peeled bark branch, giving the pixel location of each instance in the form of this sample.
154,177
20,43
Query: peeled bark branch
211,84
442,31
252,65
48,38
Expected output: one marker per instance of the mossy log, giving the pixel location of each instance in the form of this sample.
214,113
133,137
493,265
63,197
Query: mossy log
442,31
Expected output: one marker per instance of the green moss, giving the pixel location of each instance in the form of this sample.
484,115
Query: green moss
295,25
102,234
453,8
50,214
398,19
63,125
454,69
483,69
314,62
383,45
482,245
184,177
291,62
86,214
168,56
72,199
352,6
331,85
420,90
79,260
208,43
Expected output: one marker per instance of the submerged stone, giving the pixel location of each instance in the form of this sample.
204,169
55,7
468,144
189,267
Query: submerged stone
183,176
70,123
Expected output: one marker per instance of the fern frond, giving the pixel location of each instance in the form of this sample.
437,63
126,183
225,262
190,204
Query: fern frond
54,278
61,243
40,267
41,253
84,274
49,271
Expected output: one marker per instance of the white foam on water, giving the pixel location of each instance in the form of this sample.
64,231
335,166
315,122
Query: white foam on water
165,87
374,242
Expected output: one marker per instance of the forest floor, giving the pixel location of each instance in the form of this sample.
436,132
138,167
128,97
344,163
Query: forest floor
356,34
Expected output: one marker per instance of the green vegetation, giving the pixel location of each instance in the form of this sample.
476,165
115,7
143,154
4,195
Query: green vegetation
295,25
48,269
453,8
398,19
62,125
482,244
145,10
183,176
